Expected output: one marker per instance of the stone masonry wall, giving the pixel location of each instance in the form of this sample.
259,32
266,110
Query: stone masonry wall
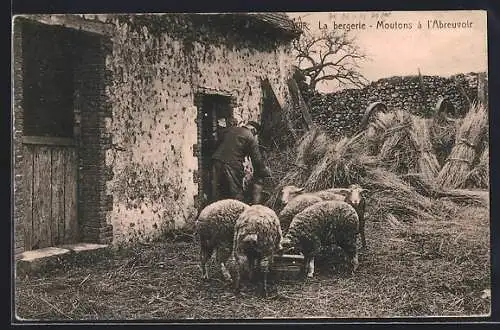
19,203
159,64
341,112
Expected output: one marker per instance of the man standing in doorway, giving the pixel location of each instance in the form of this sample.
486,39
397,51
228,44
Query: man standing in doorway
236,143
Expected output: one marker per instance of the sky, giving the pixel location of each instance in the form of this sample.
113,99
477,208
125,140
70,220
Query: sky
396,51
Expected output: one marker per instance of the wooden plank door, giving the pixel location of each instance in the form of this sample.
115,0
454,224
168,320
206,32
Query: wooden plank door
51,192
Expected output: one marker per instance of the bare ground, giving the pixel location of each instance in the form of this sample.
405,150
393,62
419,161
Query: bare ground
436,268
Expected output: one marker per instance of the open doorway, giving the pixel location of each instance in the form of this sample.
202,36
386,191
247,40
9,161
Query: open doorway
214,114
62,83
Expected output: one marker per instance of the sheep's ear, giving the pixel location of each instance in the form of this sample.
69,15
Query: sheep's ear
299,189
363,190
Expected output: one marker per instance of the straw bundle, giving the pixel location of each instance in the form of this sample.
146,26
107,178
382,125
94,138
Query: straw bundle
311,147
375,130
344,163
429,188
402,206
427,161
442,133
470,133
479,176
398,152
381,180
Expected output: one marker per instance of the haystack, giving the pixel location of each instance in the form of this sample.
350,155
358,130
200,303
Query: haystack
375,130
402,142
469,136
429,188
344,163
311,147
388,193
309,150
398,152
427,162
442,133
479,176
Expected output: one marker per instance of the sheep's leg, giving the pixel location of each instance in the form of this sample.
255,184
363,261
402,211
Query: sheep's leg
222,255
351,251
205,253
310,267
362,232
363,240
309,264
237,276
251,268
264,268
312,252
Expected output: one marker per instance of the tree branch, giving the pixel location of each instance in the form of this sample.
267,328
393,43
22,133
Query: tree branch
329,56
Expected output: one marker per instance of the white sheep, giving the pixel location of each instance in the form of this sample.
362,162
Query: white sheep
322,225
215,230
295,206
295,200
257,236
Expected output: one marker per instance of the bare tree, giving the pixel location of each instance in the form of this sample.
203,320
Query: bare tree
330,55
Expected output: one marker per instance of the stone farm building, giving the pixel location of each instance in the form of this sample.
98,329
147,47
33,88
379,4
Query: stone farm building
115,116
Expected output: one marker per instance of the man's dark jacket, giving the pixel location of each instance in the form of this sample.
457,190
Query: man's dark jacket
237,143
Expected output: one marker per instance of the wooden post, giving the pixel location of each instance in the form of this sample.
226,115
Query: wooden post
299,101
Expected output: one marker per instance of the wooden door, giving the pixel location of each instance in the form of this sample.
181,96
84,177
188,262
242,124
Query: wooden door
49,148
51,190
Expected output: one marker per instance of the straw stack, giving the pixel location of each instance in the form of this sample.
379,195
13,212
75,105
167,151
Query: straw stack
375,131
469,135
310,149
479,176
344,163
442,133
398,152
427,162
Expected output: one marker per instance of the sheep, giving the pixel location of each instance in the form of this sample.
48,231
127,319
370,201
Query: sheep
351,195
215,230
295,206
323,224
257,236
290,192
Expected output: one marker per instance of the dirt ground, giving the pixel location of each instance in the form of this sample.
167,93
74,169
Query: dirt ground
437,268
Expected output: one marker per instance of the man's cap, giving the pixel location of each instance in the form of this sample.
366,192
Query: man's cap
255,124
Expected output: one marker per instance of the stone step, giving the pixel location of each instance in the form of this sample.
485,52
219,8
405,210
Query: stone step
40,260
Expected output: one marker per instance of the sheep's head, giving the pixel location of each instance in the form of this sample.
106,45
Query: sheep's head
288,193
354,195
288,245
286,242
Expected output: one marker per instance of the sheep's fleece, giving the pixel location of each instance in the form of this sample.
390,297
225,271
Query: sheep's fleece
324,223
263,222
216,221
295,206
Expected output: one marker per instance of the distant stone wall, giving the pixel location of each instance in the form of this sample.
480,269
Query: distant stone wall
340,113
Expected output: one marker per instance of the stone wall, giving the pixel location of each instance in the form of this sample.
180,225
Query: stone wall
135,110
159,65
341,112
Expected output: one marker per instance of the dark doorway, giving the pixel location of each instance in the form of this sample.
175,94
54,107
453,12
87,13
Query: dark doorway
214,114
61,74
